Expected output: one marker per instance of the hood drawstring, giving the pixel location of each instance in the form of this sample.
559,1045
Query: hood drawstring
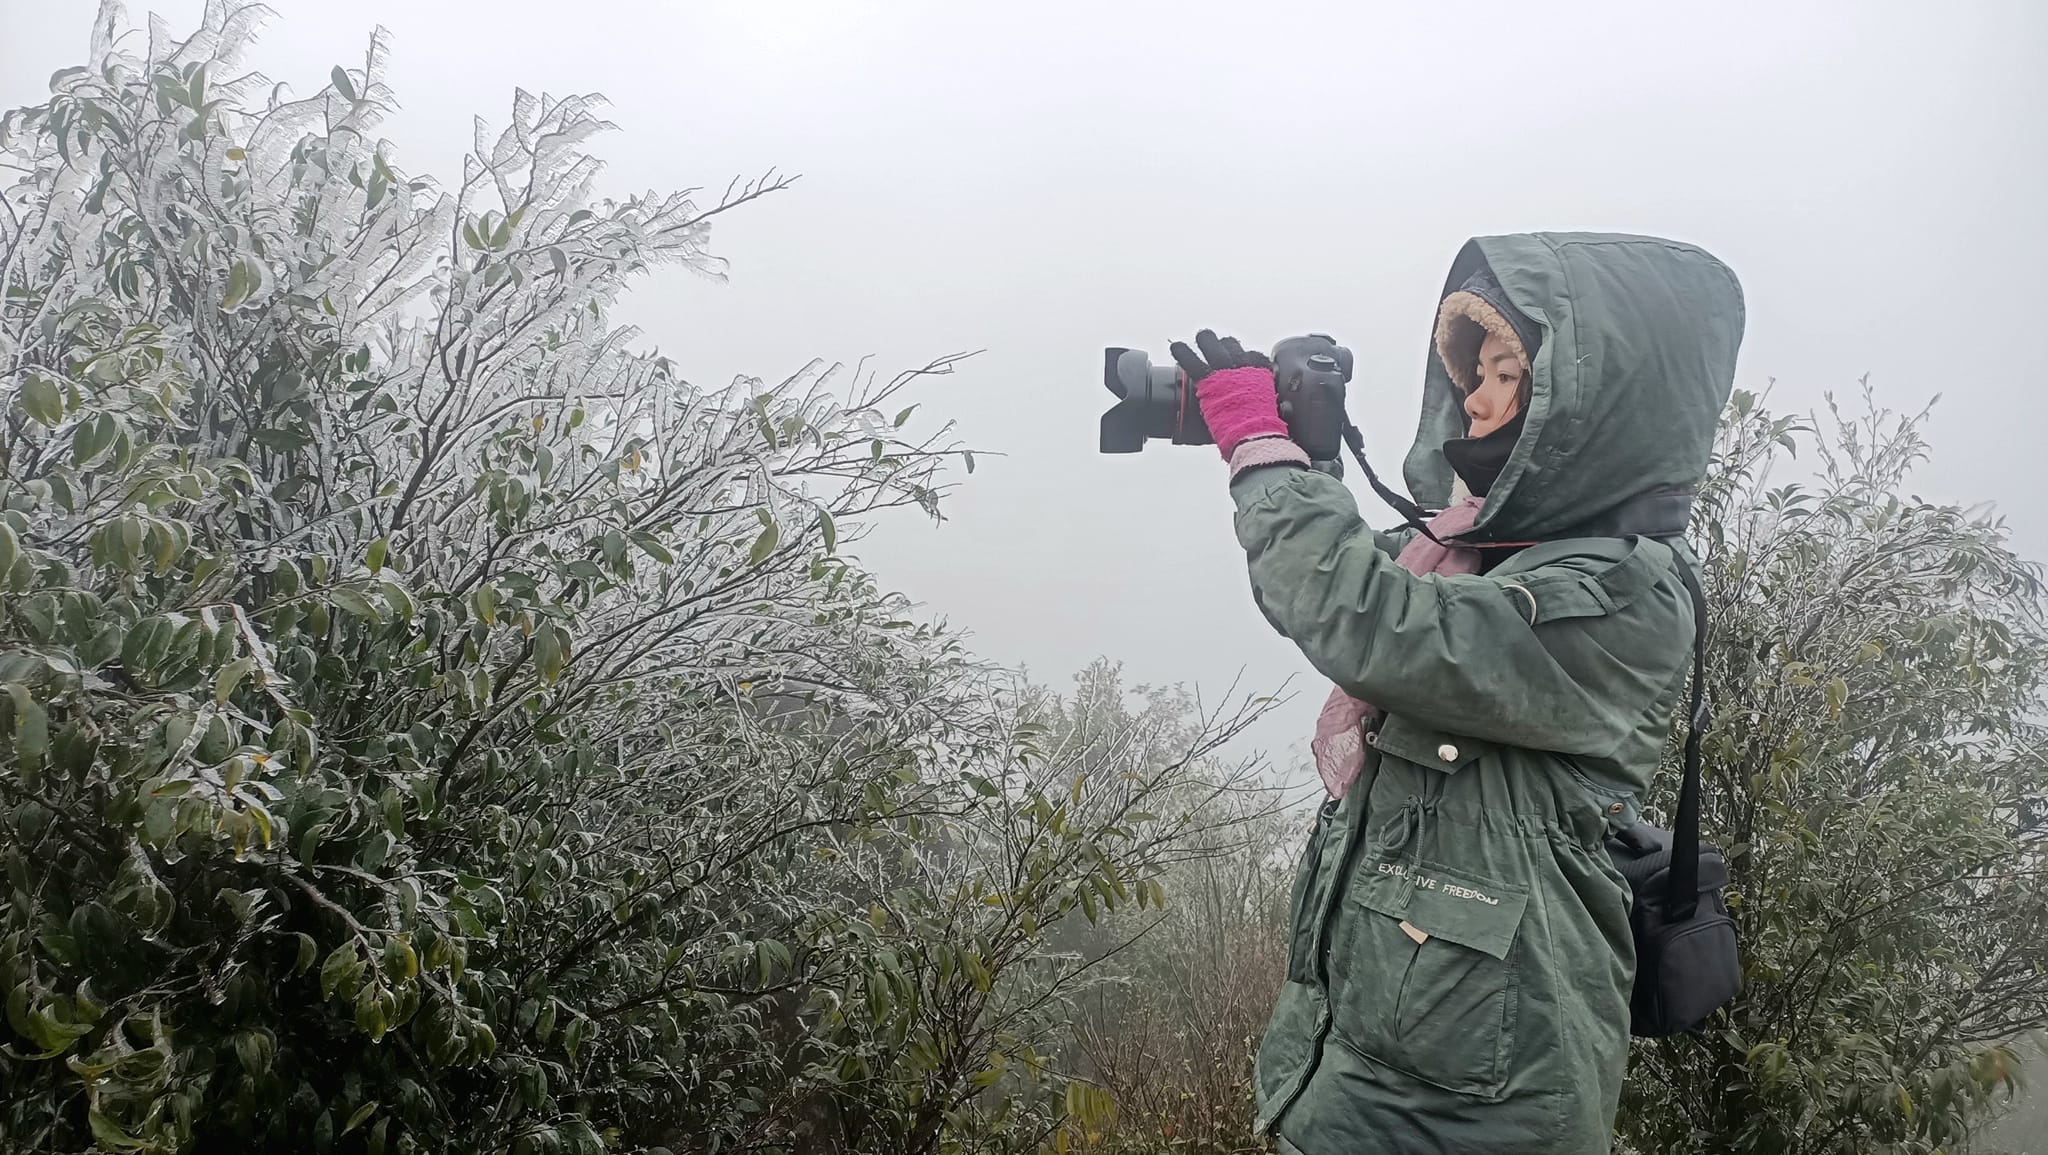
1405,826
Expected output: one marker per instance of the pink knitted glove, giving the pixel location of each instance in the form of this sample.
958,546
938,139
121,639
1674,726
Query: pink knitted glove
1238,405
1234,387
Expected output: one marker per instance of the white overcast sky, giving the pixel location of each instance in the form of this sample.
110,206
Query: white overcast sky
1041,179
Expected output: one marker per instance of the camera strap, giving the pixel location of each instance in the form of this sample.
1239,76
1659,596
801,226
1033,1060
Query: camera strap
1410,512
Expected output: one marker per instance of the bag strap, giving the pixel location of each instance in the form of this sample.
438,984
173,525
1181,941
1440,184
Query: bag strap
1684,897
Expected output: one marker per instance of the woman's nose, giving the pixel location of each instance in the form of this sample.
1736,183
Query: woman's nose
1475,405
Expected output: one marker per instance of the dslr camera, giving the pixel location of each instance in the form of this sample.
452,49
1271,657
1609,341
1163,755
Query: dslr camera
1158,401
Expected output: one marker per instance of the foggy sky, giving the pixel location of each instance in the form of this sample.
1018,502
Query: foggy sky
1039,180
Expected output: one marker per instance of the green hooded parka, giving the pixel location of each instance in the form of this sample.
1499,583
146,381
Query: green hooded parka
1460,957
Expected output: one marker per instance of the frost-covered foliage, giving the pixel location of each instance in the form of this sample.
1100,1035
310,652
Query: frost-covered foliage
430,724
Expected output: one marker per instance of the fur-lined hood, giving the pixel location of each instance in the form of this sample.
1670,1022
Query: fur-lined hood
1466,318
1631,345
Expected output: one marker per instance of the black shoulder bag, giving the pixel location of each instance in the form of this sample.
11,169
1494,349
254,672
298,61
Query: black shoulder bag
1686,964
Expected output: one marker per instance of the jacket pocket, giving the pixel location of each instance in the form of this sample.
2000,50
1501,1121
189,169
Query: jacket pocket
1433,987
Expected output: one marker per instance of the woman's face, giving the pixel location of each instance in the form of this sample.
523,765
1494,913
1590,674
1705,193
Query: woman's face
1499,395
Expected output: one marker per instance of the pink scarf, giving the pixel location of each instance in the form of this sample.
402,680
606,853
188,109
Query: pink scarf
1339,744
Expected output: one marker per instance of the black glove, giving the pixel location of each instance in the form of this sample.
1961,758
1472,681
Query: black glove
1217,353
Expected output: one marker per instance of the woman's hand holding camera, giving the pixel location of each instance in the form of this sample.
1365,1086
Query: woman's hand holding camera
1234,387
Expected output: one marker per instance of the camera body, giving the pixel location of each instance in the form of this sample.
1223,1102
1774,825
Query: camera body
1157,401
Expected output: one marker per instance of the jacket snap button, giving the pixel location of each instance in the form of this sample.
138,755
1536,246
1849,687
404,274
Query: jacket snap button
1447,752
1372,737
1616,808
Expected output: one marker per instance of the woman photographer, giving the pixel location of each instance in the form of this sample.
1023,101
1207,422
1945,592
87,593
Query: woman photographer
1461,956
